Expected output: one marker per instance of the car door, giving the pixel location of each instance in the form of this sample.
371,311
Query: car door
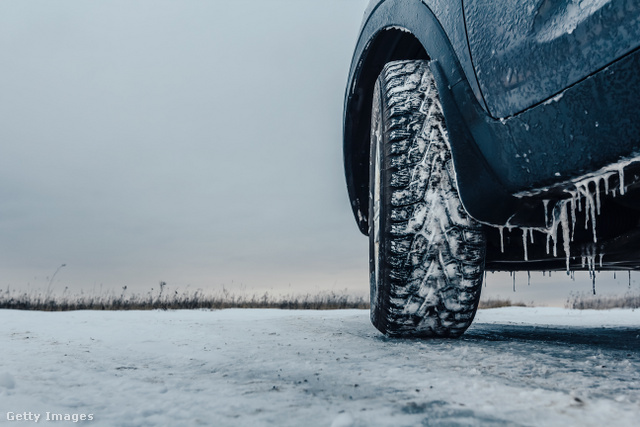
527,51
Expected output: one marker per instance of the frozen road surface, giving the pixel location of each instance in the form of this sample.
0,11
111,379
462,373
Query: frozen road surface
515,366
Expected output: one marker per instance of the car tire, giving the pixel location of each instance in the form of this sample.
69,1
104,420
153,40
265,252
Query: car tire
426,253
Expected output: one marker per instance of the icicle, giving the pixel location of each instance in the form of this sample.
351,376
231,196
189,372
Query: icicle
528,278
606,183
601,256
546,216
597,182
614,275
621,177
564,219
531,235
501,228
586,210
593,222
514,281
524,242
589,253
629,279
592,266
589,208
573,217
579,200
548,239
553,230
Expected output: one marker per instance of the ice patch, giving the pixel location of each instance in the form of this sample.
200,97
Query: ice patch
343,420
566,19
7,381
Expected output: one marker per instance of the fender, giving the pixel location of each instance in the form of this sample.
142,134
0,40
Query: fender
409,29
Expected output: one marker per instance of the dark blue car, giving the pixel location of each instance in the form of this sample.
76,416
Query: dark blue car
490,135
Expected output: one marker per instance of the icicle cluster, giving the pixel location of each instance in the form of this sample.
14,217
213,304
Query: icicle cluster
585,194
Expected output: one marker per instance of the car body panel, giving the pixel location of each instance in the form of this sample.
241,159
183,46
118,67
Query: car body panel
527,51
584,128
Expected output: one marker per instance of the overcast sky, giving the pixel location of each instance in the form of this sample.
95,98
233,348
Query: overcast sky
193,142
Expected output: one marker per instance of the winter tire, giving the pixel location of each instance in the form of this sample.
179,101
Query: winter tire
426,253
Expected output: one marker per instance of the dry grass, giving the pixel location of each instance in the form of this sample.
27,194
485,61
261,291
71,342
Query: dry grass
604,302
499,302
161,300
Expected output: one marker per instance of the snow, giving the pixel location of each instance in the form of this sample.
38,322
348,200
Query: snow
556,98
397,28
515,366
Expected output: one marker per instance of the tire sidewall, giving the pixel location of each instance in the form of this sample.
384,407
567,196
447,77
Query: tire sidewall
379,159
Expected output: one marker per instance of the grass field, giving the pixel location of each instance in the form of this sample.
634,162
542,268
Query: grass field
603,302
163,299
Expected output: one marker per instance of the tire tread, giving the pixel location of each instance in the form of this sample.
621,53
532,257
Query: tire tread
435,252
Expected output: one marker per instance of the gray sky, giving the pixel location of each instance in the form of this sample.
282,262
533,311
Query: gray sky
194,142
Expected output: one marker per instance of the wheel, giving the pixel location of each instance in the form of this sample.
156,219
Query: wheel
426,253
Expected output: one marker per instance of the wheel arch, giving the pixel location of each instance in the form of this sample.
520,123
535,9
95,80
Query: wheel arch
387,45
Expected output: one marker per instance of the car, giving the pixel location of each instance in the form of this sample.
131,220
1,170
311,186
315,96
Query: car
490,135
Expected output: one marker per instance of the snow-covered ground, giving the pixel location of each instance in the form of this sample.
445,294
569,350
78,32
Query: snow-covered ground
515,366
